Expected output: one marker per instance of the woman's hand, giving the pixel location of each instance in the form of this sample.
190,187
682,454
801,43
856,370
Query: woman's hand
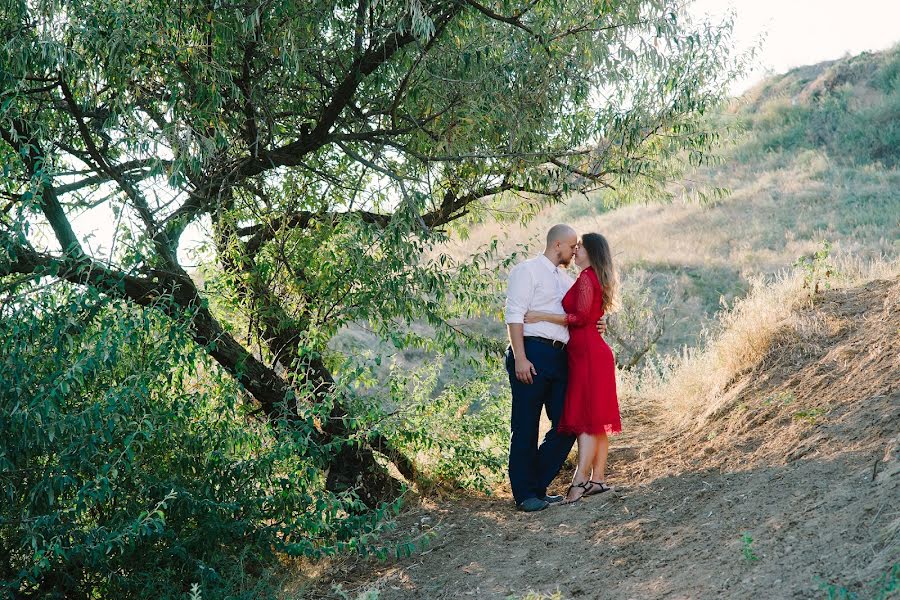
533,316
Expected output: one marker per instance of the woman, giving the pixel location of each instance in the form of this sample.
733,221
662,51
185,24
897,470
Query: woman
591,409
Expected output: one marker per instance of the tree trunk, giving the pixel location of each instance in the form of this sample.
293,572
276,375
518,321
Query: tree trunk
355,465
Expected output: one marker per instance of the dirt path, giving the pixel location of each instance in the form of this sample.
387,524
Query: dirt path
792,487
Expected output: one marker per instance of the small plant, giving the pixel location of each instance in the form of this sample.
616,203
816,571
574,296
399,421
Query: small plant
810,415
838,593
783,398
889,583
643,318
817,269
195,592
747,548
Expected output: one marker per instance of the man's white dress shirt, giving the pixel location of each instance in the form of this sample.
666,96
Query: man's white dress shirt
538,284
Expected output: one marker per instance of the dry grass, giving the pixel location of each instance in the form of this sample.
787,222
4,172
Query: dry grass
685,391
780,207
698,377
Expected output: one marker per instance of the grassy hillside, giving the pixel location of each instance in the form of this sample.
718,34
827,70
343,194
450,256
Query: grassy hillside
814,158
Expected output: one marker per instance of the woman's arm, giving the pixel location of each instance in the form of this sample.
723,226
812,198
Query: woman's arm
584,301
534,316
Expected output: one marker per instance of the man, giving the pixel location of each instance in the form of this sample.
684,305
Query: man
538,368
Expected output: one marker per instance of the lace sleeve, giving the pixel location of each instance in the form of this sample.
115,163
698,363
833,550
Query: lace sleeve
584,299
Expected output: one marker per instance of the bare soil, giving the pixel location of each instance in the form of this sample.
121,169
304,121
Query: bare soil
787,488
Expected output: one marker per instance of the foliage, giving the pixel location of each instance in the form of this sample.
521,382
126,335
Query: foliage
130,468
458,435
809,416
889,583
747,548
817,269
641,321
885,588
851,111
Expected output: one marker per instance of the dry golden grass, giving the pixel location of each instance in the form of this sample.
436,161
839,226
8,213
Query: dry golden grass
698,378
690,387
780,207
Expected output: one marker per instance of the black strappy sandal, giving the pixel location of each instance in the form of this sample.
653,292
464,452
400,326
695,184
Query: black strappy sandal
593,489
584,487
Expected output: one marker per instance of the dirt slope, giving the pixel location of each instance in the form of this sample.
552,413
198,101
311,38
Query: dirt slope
802,457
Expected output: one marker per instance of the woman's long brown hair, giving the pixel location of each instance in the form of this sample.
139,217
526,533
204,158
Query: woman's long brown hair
599,254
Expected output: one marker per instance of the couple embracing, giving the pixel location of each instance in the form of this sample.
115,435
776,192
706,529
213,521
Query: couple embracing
558,361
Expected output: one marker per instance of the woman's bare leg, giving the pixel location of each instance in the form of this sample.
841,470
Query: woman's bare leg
598,467
587,450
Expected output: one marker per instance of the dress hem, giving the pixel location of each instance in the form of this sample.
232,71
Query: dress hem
609,429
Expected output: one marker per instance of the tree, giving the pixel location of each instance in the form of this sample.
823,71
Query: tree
327,146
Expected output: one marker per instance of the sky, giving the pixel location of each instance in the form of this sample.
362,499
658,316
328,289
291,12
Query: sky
803,32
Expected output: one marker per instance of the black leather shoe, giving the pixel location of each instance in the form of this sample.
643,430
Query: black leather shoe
532,505
553,499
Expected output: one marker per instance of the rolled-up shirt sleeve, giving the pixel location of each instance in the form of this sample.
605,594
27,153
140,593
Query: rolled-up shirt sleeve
519,293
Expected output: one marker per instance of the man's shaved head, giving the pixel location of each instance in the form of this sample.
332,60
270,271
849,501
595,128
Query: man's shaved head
562,240
558,233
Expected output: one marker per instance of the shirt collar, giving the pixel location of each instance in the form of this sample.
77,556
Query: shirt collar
547,263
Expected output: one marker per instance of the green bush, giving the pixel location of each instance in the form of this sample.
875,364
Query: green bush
130,469
457,434
833,120
888,77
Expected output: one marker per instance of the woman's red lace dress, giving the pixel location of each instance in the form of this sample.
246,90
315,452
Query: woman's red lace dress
591,404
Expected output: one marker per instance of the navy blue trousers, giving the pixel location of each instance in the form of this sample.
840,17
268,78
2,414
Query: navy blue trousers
532,468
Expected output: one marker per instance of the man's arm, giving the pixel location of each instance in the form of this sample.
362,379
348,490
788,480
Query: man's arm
520,291
525,371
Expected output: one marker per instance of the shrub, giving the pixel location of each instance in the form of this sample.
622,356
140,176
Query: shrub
457,435
832,118
130,469
643,318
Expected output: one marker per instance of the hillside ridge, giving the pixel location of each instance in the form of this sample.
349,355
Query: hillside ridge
807,83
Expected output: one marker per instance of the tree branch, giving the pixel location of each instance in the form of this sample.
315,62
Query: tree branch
28,148
293,153
157,233
137,169
152,291
513,20
449,210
